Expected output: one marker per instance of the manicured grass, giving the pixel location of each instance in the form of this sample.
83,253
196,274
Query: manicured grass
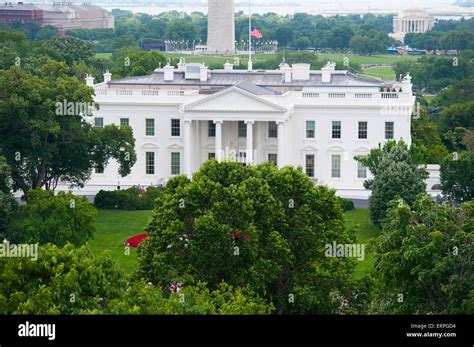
103,55
386,73
364,59
359,219
219,60
116,226
113,229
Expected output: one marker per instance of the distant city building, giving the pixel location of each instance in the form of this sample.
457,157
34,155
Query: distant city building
64,16
411,21
221,27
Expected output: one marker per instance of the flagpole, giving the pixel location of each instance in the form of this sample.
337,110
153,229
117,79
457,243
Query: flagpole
250,64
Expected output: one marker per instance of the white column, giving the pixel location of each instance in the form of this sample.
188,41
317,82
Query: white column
187,147
250,124
218,124
281,143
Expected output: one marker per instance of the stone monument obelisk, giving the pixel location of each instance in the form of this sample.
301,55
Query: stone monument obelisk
221,27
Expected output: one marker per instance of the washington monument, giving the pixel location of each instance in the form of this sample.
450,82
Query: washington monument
221,27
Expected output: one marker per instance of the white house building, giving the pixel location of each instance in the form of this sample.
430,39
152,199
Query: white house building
316,120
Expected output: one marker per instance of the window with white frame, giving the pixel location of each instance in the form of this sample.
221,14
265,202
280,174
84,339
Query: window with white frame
361,170
310,164
175,163
336,130
150,127
99,169
124,122
310,129
211,156
336,166
272,129
175,127
362,130
389,130
211,131
242,129
273,158
99,122
150,163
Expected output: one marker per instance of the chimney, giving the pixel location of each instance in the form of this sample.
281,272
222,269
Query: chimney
327,71
169,73
406,83
228,66
181,64
107,76
287,72
90,80
283,66
301,72
203,73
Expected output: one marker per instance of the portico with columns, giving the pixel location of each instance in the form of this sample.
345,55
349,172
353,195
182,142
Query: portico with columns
411,21
225,140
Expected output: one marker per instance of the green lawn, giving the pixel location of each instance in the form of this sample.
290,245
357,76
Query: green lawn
219,60
114,227
365,231
386,73
364,59
103,55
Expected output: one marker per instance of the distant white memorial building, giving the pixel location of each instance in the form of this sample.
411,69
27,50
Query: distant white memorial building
316,120
411,21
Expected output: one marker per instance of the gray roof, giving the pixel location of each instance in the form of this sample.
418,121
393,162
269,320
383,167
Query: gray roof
272,78
52,8
15,6
254,89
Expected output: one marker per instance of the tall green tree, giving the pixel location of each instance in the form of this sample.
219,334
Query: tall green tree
397,172
424,259
256,226
457,176
44,124
8,204
425,134
56,219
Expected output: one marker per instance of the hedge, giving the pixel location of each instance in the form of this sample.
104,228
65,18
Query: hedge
128,199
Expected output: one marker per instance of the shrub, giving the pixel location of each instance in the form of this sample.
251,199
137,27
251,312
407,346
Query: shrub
54,219
346,204
128,199
98,285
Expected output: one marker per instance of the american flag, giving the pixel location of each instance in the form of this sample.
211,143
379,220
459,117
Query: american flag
257,34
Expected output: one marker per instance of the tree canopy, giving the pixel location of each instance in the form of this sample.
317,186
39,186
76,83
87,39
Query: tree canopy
46,119
257,226
424,259
397,172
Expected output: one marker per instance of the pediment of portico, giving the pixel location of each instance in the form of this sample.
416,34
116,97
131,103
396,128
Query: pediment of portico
234,99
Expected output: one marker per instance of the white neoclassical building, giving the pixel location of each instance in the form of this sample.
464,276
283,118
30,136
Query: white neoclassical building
316,120
411,21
